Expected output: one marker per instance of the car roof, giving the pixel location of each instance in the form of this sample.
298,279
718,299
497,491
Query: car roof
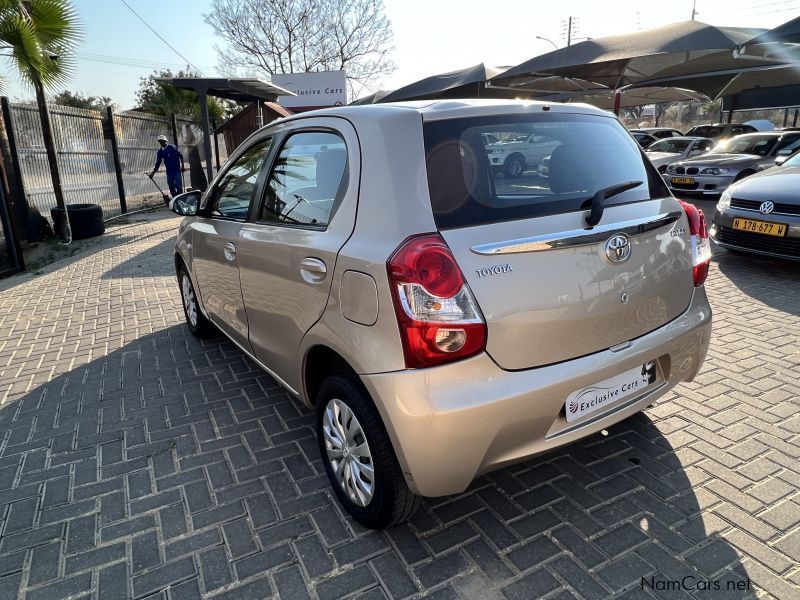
721,125
761,133
431,110
683,137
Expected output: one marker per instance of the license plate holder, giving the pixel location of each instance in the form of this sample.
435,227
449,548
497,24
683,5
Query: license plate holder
760,227
592,398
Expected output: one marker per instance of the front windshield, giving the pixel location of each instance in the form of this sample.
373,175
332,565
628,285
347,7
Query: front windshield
671,146
760,145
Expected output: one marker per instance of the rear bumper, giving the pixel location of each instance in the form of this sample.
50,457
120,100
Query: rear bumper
453,423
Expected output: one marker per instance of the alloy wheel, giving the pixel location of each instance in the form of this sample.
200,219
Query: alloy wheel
189,300
348,452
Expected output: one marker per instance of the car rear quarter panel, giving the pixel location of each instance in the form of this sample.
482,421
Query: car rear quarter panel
393,204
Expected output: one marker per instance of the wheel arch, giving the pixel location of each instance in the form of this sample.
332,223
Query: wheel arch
180,262
321,361
515,154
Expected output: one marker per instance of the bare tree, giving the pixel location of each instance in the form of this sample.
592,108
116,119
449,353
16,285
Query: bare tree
291,36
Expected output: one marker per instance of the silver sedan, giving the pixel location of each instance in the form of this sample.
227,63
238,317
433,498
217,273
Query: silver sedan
730,161
762,213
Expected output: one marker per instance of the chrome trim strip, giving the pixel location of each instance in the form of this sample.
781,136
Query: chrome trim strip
269,371
774,212
576,237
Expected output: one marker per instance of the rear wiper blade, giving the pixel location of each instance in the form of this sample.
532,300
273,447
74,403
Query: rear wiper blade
598,200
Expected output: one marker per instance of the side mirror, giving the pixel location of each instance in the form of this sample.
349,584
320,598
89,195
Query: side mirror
781,159
186,204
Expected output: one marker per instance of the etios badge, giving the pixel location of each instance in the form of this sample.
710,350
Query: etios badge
618,248
766,207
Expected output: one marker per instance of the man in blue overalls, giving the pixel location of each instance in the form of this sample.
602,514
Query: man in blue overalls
173,163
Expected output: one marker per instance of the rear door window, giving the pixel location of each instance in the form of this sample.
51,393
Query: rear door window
573,156
308,180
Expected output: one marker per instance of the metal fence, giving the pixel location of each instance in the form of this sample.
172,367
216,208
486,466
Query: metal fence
85,156
10,260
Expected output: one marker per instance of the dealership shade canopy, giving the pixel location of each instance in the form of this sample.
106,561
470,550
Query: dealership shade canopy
788,33
631,97
240,90
464,83
683,48
725,83
372,98
776,54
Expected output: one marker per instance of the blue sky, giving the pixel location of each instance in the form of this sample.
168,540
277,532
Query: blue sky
431,36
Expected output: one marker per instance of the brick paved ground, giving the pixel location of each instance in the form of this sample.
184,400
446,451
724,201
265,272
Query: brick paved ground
136,461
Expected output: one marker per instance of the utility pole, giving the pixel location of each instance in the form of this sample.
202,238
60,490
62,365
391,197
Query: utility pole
694,9
569,32
572,22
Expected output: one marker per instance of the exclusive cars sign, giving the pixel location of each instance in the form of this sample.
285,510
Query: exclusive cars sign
314,90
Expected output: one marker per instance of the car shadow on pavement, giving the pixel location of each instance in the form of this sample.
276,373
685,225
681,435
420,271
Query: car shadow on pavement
147,263
175,463
773,281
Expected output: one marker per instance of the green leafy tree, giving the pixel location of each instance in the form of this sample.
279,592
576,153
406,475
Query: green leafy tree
78,100
161,98
39,38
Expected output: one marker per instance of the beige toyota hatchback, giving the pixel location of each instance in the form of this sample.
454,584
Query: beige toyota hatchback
442,318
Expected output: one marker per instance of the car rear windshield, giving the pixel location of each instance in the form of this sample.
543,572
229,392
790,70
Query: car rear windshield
706,131
541,165
673,146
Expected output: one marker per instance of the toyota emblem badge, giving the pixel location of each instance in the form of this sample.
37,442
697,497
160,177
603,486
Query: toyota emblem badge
618,248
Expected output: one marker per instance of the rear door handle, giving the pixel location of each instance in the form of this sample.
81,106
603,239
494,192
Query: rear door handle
313,270
230,251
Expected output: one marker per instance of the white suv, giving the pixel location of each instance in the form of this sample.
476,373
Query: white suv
516,152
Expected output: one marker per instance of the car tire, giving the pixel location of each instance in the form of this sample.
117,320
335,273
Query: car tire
348,419
198,324
514,165
85,220
742,175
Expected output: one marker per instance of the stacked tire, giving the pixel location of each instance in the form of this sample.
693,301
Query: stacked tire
85,220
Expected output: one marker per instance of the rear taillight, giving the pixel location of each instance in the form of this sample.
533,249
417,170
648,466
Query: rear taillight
438,316
701,247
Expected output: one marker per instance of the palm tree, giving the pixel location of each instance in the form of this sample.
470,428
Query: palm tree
39,38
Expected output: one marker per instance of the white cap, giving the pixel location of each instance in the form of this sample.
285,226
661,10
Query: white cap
162,137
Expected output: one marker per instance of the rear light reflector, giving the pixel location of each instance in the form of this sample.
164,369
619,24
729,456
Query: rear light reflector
701,247
438,316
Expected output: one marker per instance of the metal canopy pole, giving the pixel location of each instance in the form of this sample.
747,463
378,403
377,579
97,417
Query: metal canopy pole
202,95
732,108
617,102
112,134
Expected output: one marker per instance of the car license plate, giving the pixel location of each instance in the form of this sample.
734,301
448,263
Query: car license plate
594,397
683,180
776,229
